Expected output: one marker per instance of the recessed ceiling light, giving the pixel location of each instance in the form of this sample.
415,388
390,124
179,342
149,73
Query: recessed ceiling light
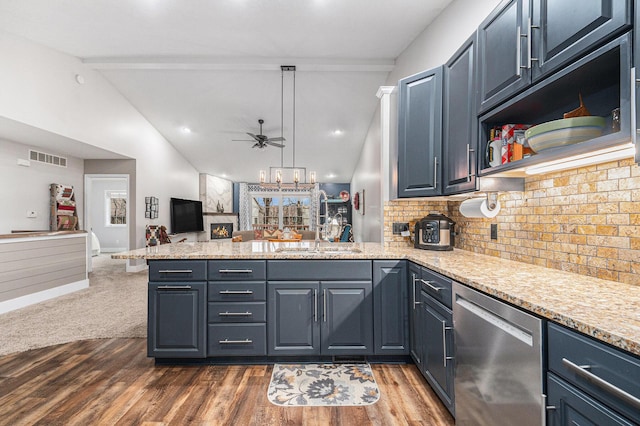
186,130
331,175
338,132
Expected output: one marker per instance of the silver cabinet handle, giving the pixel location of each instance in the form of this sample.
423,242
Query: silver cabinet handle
235,342
445,358
413,292
235,271
530,57
518,53
236,292
175,271
324,305
582,371
435,172
315,305
235,314
174,287
469,151
431,286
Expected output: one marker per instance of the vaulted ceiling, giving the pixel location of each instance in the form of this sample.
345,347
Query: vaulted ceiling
214,67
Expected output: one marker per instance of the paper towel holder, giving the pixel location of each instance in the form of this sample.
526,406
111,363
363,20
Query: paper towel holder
492,200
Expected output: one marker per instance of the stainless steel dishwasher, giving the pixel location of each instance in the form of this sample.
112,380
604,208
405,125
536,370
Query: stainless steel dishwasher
498,377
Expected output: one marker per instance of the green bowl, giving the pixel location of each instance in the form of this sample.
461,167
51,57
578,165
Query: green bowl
566,131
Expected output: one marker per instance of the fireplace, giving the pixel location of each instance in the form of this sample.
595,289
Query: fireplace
221,230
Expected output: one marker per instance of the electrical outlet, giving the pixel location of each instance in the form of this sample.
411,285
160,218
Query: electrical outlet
398,227
494,231
32,213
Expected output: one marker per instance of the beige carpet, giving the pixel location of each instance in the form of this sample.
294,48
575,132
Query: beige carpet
114,305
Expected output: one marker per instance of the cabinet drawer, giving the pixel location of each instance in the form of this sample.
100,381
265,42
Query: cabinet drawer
599,370
236,339
226,312
237,292
318,270
573,407
177,270
437,286
237,270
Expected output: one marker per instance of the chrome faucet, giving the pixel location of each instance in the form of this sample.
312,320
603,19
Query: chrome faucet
318,215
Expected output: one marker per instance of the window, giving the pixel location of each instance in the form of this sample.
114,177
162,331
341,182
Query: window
279,210
116,208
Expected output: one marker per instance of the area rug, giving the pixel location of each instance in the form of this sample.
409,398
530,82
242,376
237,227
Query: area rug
322,384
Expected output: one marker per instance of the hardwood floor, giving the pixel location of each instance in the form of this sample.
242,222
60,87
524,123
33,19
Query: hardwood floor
107,382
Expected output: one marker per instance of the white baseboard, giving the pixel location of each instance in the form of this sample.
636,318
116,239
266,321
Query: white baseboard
41,296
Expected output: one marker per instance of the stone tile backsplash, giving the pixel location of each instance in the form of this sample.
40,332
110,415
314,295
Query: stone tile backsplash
585,220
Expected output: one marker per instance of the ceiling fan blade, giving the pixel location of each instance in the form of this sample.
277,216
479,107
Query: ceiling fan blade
278,139
253,136
241,140
279,145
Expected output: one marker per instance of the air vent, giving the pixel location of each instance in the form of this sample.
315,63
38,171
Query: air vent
43,157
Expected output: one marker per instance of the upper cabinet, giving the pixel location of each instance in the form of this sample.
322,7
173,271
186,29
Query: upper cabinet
561,30
459,143
420,134
500,68
523,41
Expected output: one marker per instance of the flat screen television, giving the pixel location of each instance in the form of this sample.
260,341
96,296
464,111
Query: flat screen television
186,216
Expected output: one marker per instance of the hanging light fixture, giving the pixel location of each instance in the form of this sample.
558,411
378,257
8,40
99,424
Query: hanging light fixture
297,176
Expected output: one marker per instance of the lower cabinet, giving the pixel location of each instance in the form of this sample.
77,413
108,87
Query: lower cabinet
590,383
437,349
320,318
176,319
431,329
391,310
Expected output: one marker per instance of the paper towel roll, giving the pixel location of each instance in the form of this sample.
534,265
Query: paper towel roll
477,207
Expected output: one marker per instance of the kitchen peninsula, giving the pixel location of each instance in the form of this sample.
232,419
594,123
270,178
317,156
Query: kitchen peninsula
604,310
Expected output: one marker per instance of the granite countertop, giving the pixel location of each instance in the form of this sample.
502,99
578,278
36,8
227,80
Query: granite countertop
606,310
33,234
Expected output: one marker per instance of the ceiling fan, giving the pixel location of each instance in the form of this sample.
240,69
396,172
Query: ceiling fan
261,141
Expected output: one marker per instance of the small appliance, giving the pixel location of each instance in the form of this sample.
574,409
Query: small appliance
435,232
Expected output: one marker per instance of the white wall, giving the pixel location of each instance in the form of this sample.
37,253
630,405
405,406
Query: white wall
433,47
27,188
39,89
112,238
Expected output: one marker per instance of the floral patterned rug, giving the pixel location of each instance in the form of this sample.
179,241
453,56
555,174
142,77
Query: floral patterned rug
322,384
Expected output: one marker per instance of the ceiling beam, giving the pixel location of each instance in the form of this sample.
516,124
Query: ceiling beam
237,64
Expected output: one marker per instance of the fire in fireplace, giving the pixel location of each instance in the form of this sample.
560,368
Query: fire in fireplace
221,230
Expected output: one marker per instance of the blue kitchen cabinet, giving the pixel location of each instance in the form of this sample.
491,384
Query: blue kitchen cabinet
460,131
420,134
177,303
391,307
321,307
524,41
589,382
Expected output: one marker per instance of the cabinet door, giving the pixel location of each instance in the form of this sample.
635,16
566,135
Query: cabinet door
390,306
415,328
459,145
438,359
502,67
420,134
293,318
347,318
635,130
176,321
558,40
568,406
